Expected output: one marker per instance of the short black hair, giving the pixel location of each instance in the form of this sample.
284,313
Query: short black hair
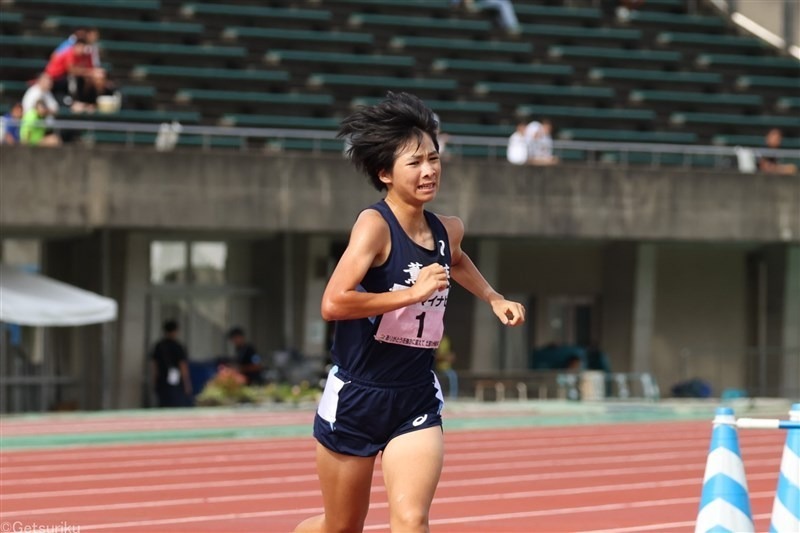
170,326
376,133
235,332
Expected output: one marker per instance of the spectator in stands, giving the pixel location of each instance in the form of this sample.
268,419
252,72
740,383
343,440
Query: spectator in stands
771,164
517,149
170,364
33,128
41,90
11,124
247,358
540,143
506,15
78,78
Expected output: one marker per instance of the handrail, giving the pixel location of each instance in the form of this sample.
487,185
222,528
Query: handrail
465,140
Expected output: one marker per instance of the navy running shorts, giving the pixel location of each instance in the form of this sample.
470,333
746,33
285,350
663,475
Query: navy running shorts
356,417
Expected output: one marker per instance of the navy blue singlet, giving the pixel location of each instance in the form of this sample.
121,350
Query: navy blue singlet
396,347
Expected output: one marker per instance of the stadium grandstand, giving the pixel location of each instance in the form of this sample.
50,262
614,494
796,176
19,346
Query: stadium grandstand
656,236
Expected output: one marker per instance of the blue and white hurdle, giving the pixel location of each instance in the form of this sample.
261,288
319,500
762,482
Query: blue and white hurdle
725,501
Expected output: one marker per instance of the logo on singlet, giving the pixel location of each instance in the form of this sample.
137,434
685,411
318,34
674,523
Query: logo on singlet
419,420
441,247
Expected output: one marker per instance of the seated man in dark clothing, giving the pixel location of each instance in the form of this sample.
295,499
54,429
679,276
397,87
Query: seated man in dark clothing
247,359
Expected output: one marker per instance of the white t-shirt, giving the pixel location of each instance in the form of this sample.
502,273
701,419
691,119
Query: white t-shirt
34,94
517,151
540,144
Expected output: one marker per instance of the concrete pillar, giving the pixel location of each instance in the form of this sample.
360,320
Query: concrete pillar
485,329
619,265
643,316
791,325
131,380
316,277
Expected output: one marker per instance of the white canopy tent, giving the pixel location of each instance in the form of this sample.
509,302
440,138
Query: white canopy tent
34,300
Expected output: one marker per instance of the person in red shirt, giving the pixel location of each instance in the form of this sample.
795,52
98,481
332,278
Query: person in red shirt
76,79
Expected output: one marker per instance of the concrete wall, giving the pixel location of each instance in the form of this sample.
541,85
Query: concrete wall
79,188
700,315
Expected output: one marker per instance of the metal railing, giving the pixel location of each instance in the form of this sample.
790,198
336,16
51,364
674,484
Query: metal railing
724,156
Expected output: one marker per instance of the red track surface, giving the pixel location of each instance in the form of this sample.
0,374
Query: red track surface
625,477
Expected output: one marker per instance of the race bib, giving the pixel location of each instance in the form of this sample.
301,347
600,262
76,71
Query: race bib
420,325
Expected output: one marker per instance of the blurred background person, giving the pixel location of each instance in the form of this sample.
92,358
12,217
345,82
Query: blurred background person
170,365
9,129
771,164
33,128
248,361
540,143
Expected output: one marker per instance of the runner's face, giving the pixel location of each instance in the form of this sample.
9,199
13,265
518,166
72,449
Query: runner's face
417,170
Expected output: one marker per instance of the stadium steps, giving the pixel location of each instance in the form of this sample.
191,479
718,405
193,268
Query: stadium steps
744,121
472,47
274,14
115,137
655,76
581,114
422,24
665,137
706,99
9,19
554,91
225,75
145,115
143,29
442,106
473,70
727,42
279,121
372,61
580,33
786,103
784,64
114,5
546,12
381,82
769,82
186,96
613,55
298,37
674,20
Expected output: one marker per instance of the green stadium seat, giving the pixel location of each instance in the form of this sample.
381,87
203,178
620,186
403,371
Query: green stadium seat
704,39
778,82
13,86
749,61
23,63
133,5
402,4
30,41
191,95
663,4
276,57
116,137
162,50
388,82
664,137
329,37
280,121
160,27
576,91
481,130
697,98
148,71
580,33
632,74
616,54
138,115
248,11
9,18
441,106
766,121
588,113
422,23
670,20
138,91
442,65
752,140
466,45
787,103
560,12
